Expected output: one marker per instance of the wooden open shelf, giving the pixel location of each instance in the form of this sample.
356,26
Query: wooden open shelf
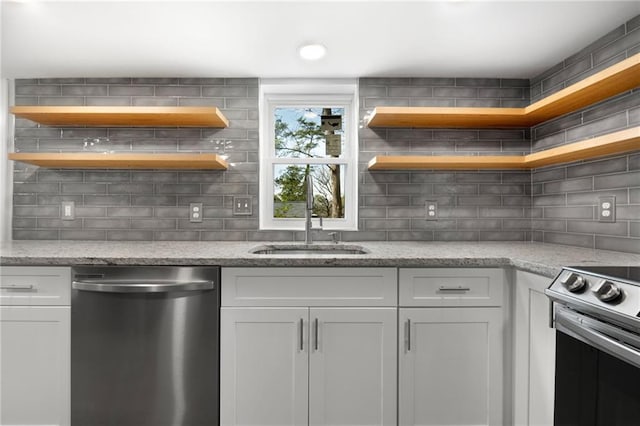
117,116
81,160
450,162
612,143
616,79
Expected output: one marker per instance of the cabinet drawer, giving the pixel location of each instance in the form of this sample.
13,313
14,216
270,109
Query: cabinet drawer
451,286
37,285
309,287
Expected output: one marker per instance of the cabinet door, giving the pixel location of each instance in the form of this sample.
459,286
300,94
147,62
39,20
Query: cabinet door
35,365
264,366
534,352
353,366
450,366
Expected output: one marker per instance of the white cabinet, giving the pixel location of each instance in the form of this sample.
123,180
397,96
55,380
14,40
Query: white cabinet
451,358
451,366
534,352
264,363
352,366
309,364
35,342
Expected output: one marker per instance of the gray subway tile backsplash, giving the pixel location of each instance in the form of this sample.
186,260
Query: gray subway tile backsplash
631,245
554,204
569,185
37,234
129,235
571,239
619,180
602,228
592,168
630,40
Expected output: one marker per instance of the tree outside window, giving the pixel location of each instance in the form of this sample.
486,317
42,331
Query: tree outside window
298,134
308,129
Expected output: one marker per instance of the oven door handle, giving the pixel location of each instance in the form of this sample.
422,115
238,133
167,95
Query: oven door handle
573,325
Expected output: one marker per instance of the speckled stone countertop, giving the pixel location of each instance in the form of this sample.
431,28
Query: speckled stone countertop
544,259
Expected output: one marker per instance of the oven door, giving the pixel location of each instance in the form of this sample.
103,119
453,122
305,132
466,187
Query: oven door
597,372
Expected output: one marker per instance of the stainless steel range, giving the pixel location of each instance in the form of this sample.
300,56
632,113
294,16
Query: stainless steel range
596,312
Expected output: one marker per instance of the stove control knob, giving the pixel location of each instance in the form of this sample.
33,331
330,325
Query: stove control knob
573,282
607,291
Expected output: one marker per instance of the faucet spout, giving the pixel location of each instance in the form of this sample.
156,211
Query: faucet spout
308,212
309,193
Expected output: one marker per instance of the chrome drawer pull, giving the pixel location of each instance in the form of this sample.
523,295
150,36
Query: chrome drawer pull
301,334
459,288
16,287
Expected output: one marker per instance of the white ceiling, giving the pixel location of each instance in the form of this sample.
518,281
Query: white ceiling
515,39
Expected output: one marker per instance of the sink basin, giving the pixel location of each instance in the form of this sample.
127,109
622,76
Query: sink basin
314,249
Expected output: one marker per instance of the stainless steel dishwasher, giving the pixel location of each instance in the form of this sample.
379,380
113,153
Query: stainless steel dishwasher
145,346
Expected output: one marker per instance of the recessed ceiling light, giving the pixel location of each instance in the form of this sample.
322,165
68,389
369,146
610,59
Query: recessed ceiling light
312,52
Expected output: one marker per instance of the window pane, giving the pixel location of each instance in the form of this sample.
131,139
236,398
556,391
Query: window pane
290,195
314,132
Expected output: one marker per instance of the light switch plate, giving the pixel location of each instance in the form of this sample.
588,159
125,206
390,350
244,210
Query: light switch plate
607,208
195,212
68,210
431,210
242,206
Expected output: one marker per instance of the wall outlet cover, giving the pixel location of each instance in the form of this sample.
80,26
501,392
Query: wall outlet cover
607,208
431,210
195,212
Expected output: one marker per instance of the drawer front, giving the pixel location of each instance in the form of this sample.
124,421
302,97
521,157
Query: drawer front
309,287
451,286
35,285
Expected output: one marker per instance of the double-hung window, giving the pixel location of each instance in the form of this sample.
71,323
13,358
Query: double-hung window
308,128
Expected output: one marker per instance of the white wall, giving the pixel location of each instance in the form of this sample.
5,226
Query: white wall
5,167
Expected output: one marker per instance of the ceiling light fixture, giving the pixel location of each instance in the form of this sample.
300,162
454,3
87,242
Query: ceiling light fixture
312,52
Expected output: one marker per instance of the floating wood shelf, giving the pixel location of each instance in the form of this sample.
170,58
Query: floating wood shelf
81,160
452,162
612,143
616,79
116,116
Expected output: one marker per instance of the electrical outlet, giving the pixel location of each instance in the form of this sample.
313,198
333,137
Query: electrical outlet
431,210
68,210
607,208
242,206
195,212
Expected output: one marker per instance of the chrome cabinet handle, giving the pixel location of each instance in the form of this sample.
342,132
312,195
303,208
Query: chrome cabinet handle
315,334
550,314
301,334
408,335
16,287
459,288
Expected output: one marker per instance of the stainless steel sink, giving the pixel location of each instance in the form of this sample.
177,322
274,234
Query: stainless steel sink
314,249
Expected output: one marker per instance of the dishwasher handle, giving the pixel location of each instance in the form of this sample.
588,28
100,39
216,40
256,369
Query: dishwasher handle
141,286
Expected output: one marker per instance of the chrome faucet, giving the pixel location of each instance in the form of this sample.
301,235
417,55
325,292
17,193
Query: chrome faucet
308,226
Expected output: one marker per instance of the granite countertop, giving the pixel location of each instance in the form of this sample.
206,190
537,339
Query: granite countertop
544,259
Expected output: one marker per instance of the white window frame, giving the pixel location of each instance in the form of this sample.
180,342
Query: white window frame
276,93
